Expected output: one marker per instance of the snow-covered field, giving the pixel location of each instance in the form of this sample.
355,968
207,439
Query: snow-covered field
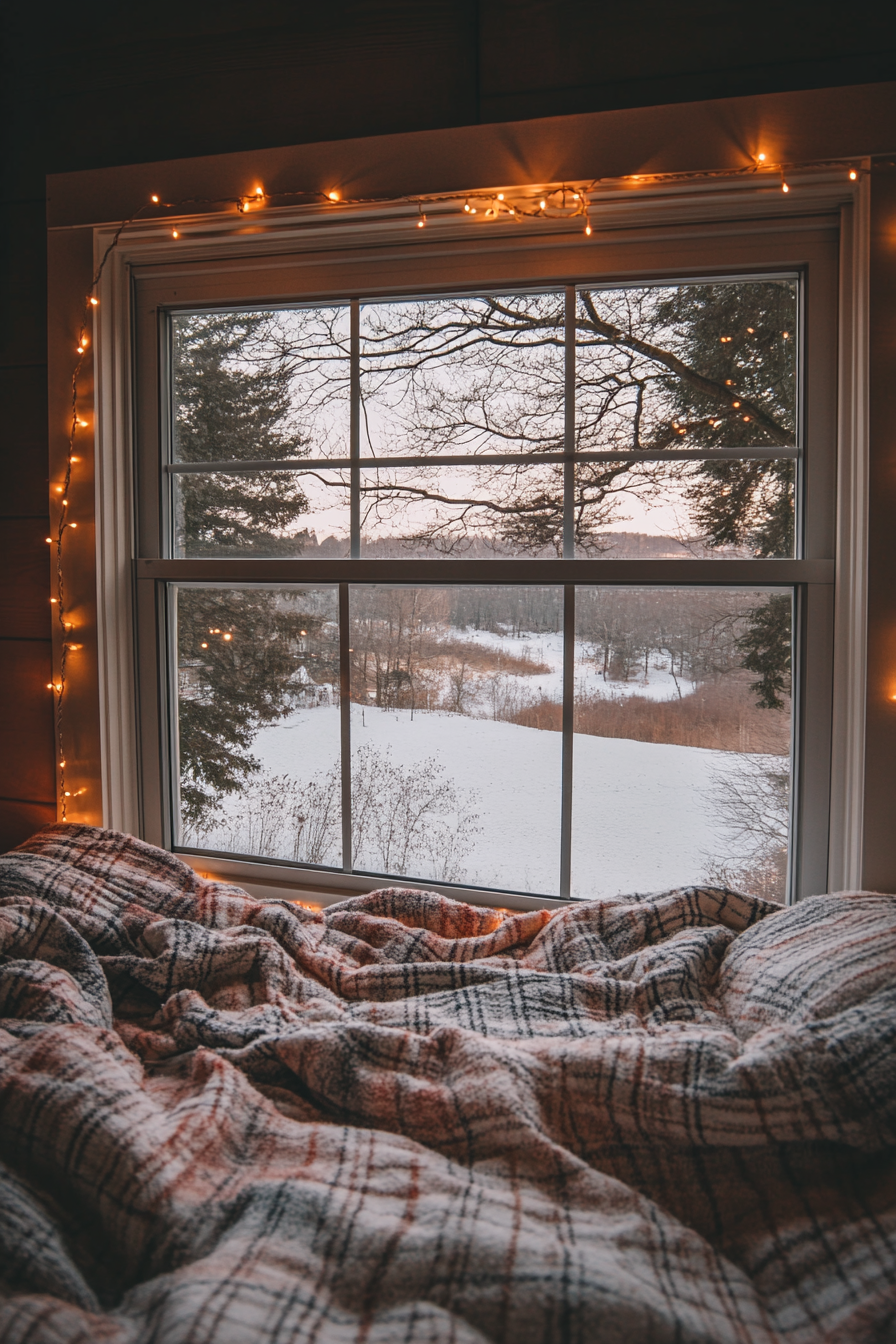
548,648
643,817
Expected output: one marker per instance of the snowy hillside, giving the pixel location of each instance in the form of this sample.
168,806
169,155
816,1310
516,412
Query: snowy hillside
643,815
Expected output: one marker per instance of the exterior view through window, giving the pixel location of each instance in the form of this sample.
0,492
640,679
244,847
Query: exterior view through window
555,738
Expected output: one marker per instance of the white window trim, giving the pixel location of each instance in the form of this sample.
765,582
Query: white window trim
205,238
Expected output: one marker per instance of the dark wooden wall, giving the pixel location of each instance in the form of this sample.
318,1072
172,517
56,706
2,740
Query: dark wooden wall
103,84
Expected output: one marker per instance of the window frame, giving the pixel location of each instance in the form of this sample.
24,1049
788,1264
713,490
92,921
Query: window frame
732,224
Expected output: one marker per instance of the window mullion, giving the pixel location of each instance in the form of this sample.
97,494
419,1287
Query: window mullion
567,723
569,425
355,432
345,725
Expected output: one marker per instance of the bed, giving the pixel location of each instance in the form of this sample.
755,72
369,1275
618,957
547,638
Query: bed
402,1118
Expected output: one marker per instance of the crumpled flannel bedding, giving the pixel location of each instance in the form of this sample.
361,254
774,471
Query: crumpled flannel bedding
664,1118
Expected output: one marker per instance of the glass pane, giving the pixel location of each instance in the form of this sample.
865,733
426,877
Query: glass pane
725,509
687,366
448,781
269,513
258,734
682,723
462,375
465,512
260,385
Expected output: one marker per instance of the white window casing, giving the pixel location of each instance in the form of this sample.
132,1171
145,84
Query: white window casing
709,230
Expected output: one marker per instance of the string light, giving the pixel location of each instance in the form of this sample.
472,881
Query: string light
553,205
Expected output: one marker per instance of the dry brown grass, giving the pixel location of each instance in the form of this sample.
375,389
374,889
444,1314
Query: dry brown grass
722,715
481,659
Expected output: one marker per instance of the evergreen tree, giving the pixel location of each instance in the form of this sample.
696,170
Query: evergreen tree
735,340
740,338
766,646
239,650
232,404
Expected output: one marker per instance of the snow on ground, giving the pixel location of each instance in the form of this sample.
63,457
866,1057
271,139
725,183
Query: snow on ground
548,648
642,820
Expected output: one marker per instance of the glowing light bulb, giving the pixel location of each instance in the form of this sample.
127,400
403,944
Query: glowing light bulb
472,209
203,646
761,158
542,204
154,199
466,207
735,404
853,175
784,188
74,459
227,637
49,540
751,330
588,230
174,233
421,222
259,191
59,489
94,303
333,195
500,195
53,601
72,524
83,425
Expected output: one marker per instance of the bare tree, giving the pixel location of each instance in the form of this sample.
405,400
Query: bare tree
751,801
408,820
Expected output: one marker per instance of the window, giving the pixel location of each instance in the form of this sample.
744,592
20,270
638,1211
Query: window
503,570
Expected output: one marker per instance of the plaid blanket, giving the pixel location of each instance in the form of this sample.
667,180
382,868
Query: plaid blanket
664,1118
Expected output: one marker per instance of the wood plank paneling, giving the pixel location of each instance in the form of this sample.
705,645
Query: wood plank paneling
204,80
26,721
25,590
23,284
23,440
879,869
19,820
541,58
